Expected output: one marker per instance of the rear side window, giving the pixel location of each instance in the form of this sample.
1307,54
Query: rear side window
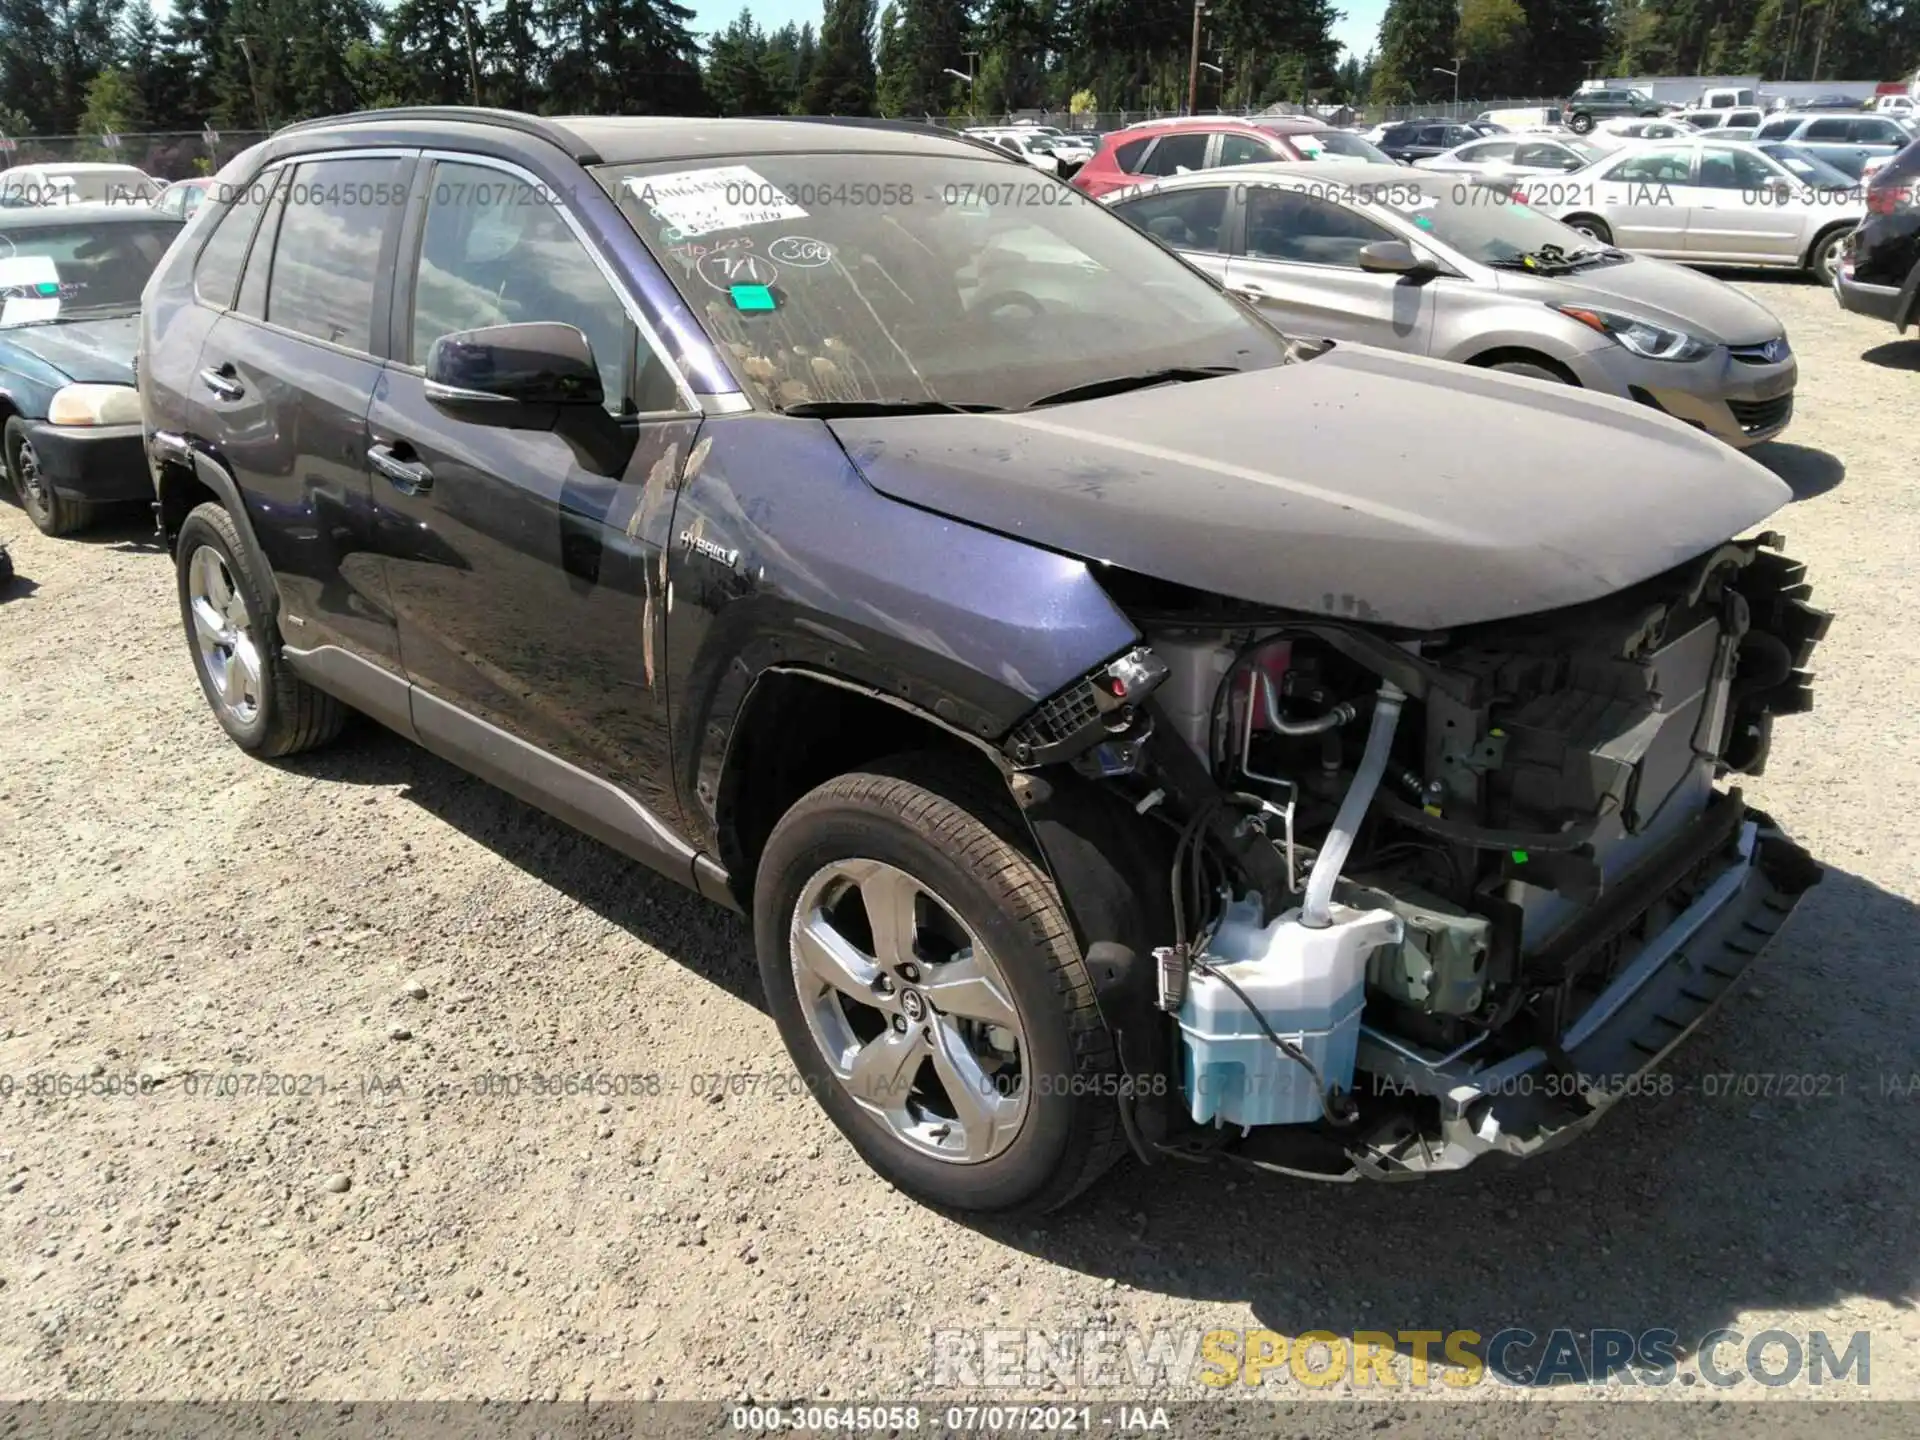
1877,132
326,260
252,300
1829,130
1127,157
1243,150
1777,130
1655,167
1176,154
1489,150
1432,135
217,271
1182,219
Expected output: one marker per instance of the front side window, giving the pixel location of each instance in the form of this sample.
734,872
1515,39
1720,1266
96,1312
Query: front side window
875,279
1734,170
1828,130
1655,167
1303,229
496,251
54,273
1183,219
326,259
1777,130
1178,155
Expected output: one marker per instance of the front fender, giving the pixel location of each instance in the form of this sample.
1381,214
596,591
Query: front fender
782,555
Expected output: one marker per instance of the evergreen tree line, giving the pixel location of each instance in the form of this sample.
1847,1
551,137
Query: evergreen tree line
1546,47
99,66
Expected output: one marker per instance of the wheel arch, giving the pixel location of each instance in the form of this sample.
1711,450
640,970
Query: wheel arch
1823,236
1520,354
186,477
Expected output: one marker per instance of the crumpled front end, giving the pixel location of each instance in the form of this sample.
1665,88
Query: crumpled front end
1426,896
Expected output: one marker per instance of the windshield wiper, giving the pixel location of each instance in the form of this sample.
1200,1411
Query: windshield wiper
1120,384
1552,257
857,409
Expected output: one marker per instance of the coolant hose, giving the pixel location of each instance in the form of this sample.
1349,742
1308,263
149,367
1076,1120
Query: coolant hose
1316,911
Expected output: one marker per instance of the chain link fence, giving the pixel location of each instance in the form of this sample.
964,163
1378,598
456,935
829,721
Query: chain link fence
173,155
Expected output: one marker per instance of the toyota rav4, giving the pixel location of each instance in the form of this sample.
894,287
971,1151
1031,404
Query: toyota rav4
1126,728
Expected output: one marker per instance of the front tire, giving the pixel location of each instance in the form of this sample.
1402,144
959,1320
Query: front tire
1580,124
1591,226
51,514
1823,261
263,706
926,982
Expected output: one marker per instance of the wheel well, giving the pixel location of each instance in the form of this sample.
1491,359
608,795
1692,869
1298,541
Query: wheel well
798,731
1826,234
181,491
1514,354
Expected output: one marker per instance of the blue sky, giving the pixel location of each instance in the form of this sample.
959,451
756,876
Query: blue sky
1357,31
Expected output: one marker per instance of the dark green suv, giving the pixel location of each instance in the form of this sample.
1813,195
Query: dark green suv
1584,109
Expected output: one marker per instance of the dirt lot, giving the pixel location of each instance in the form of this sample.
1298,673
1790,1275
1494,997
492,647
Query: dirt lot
386,930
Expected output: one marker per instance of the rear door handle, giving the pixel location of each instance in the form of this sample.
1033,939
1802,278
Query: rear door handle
409,477
1249,289
222,382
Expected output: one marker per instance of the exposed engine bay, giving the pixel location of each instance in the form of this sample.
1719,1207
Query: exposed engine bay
1437,895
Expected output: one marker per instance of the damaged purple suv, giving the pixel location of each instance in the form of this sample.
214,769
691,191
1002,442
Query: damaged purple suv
1126,729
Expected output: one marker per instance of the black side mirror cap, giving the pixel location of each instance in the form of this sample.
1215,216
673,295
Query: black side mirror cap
516,377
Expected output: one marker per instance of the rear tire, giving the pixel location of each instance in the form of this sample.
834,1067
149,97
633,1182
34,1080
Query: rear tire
1591,226
1045,1124
263,706
1580,124
1823,261
51,514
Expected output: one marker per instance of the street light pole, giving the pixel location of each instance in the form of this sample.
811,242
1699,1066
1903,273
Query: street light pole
1193,61
1455,73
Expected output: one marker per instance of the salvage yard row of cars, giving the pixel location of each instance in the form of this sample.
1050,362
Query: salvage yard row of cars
1030,611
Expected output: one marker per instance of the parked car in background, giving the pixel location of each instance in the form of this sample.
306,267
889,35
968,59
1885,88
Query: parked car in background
1831,103
1798,128
76,184
1411,141
1465,273
1879,273
70,282
1634,129
1735,132
1518,155
182,197
1589,107
1721,119
1823,164
1035,149
935,585
1711,202
1148,152
1901,107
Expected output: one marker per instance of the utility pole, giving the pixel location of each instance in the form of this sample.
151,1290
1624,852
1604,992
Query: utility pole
253,83
1193,60
473,59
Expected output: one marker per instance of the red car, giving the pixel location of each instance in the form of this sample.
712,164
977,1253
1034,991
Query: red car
1158,148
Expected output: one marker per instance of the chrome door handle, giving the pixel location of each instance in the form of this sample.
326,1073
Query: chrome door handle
222,383
409,477
1250,290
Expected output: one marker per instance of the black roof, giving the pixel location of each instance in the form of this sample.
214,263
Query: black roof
631,139
49,217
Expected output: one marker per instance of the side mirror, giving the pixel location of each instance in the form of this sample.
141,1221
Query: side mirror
516,377
1394,257
538,376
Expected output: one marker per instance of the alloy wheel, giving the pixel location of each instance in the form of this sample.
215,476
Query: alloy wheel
223,634
33,485
911,1012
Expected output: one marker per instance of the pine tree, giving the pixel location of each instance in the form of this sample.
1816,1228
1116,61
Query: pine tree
1416,40
925,41
1566,41
744,75
842,81
429,42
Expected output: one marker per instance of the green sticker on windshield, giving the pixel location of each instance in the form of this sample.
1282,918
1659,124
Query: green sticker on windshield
47,287
752,298
1424,222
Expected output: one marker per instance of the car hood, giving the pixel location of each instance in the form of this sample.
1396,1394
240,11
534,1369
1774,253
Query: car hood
86,351
1660,291
1362,484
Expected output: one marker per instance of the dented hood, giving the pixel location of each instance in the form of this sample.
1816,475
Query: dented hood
1362,484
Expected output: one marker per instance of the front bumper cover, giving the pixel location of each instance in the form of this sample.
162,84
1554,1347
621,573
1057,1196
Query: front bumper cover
93,462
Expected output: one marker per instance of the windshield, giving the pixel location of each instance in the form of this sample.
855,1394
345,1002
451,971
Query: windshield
1482,220
1809,167
1342,144
52,273
889,279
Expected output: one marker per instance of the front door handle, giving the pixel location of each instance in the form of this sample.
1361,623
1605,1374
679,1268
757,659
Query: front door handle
222,382
409,477
1249,289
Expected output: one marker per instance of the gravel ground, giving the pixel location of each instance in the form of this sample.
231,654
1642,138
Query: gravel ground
377,922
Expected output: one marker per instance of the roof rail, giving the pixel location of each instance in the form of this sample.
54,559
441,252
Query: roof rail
519,120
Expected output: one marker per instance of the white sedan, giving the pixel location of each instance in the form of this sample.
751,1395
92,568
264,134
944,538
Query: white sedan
1518,155
1712,202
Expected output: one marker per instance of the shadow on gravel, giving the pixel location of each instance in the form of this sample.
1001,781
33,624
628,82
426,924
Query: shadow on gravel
1900,355
128,528
1675,1213
1808,472
710,941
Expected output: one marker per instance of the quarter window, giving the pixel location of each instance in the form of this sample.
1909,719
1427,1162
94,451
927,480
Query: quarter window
496,251
1127,157
1243,150
252,300
326,261
218,269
